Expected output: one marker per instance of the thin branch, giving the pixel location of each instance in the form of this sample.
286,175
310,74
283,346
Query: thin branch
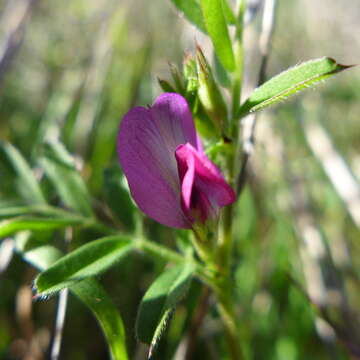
335,167
59,325
249,123
324,283
267,30
341,332
6,253
325,286
61,309
252,8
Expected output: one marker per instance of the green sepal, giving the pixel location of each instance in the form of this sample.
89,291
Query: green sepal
166,86
209,93
190,74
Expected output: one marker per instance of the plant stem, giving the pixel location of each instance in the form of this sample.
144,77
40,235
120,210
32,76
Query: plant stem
159,251
61,308
226,308
196,323
59,327
225,241
237,76
164,253
223,289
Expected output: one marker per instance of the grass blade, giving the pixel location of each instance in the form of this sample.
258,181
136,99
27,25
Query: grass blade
27,183
59,165
217,28
11,226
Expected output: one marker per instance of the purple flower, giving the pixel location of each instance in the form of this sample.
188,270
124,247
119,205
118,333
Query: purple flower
170,178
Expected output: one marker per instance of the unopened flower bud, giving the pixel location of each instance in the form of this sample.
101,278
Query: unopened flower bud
209,93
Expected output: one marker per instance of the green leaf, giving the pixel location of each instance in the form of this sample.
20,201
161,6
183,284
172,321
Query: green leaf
42,256
88,260
221,74
59,166
161,327
217,28
35,210
160,299
192,11
27,183
290,82
72,114
91,293
12,211
94,296
13,225
228,12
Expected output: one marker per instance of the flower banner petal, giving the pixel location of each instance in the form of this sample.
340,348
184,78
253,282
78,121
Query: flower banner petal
174,121
146,146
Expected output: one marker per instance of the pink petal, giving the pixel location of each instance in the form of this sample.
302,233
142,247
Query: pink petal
203,189
146,145
174,121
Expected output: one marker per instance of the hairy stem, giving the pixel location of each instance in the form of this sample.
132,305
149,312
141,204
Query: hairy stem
164,253
196,323
237,76
225,244
226,308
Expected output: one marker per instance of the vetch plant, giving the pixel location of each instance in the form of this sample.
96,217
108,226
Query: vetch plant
185,163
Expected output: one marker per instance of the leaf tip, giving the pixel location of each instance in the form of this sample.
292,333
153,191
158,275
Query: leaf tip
341,67
37,296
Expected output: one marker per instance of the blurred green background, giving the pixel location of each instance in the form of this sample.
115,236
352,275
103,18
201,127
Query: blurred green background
70,70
